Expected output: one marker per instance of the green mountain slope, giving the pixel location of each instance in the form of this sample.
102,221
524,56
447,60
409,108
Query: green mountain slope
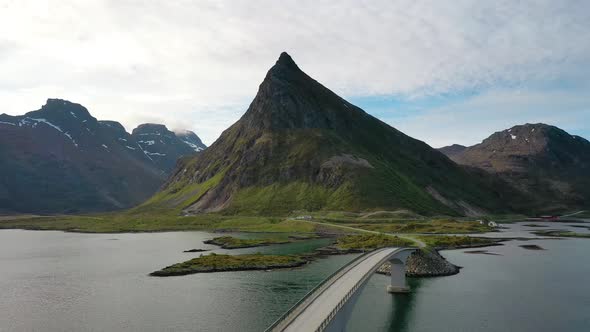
299,146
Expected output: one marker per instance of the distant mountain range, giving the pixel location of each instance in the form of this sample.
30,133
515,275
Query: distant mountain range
544,162
299,146
60,159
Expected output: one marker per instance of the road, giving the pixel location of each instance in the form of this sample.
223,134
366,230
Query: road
311,314
572,214
409,237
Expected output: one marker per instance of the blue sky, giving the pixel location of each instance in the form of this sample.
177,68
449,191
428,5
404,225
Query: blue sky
438,72
470,116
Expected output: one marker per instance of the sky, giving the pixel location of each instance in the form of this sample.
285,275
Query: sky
441,71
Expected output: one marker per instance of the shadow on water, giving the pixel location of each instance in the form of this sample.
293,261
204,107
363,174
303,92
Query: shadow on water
403,305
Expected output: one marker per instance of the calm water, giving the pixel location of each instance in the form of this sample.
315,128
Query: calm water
54,281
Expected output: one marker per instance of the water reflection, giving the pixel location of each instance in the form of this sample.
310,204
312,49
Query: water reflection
403,307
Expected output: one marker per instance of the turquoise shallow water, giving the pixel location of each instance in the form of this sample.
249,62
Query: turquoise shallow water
55,281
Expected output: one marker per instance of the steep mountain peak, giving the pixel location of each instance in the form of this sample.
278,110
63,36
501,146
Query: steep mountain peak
299,146
284,71
290,99
286,61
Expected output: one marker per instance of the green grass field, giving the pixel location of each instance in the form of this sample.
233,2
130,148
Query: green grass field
132,221
125,222
451,241
230,242
436,226
371,241
217,263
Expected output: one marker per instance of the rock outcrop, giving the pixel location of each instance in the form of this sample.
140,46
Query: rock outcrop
424,264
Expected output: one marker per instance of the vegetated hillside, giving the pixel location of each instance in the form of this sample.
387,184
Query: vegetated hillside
60,159
542,161
299,146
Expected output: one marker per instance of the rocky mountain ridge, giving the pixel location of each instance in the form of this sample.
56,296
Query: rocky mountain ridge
539,159
62,159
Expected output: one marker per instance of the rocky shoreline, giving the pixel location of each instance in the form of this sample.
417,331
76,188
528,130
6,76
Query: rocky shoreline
424,263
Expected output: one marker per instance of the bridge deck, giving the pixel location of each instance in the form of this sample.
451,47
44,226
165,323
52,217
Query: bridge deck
310,314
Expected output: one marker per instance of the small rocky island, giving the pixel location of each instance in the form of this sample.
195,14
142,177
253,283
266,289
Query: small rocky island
531,247
222,263
230,242
196,250
560,233
424,263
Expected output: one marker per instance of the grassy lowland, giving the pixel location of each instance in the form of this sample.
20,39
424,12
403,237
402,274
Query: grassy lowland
437,226
158,222
219,263
371,241
450,242
230,242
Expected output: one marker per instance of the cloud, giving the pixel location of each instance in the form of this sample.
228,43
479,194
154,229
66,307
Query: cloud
200,62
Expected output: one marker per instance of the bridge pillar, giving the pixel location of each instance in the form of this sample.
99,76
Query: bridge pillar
398,276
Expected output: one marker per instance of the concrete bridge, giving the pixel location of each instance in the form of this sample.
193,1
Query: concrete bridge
328,306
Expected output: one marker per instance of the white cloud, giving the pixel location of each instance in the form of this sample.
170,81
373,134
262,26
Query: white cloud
184,61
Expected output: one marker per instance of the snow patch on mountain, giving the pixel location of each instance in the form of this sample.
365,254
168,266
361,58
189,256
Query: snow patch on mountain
193,146
155,153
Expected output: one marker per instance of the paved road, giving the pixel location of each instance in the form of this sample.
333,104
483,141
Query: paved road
310,314
572,214
418,242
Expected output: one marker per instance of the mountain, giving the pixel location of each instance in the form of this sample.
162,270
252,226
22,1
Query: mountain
452,150
162,146
542,161
299,146
191,139
60,159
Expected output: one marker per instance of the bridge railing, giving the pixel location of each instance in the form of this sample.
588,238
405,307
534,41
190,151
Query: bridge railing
348,294
291,310
339,306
